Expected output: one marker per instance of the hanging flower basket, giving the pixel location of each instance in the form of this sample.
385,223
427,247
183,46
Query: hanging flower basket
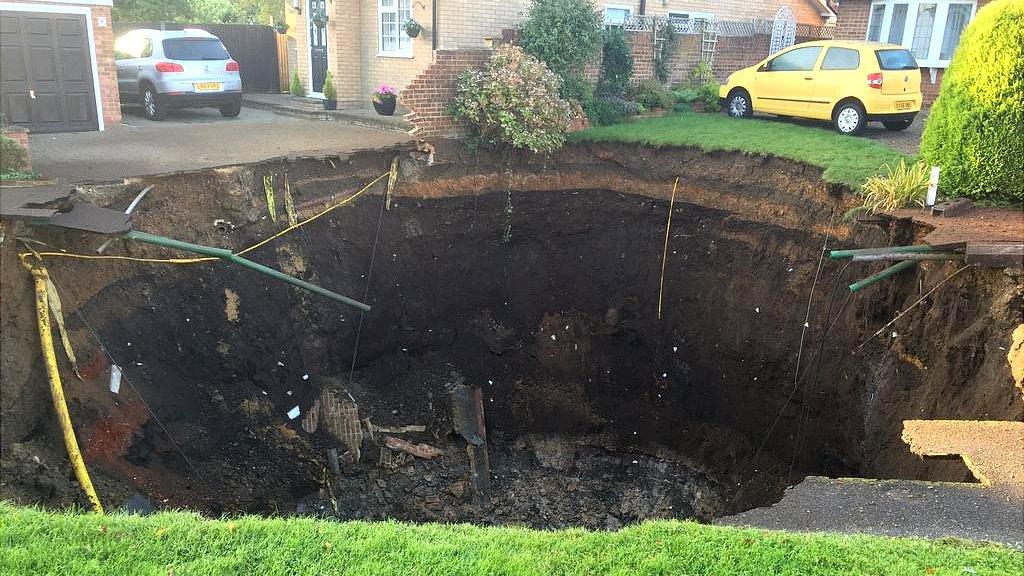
412,28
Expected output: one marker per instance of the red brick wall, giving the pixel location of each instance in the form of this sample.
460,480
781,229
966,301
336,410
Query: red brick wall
103,36
428,96
105,65
20,135
642,46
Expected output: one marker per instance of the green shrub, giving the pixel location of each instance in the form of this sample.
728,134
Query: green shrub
685,94
13,157
514,100
708,94
564,34
296,88
651,95
330,92
575,88
605,112
663,57
616,63
975,131
899,186
701,74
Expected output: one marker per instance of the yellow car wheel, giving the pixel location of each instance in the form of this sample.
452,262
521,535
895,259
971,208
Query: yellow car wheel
738,105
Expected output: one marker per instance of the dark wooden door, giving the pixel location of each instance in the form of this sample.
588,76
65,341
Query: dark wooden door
317,46
46,80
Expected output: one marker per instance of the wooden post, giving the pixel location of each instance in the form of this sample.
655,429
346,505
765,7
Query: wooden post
283,76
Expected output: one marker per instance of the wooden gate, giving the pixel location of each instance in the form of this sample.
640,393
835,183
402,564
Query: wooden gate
254,47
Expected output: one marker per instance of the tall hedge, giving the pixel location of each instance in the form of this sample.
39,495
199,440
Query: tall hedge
564,34
975,131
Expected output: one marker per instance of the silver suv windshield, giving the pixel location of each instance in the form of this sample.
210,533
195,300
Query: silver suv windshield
195,49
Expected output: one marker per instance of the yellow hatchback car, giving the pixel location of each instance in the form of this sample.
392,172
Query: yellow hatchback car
849,83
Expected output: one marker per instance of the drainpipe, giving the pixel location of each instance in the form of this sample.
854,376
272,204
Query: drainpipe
643,7
433,25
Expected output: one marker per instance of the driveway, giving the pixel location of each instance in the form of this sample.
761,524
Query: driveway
906,141
190,139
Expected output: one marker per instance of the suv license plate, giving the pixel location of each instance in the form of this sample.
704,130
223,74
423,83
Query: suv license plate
215,86
904,105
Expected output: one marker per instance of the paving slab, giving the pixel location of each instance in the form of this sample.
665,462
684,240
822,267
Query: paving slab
892,508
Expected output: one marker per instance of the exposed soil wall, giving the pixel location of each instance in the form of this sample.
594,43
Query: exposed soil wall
535,280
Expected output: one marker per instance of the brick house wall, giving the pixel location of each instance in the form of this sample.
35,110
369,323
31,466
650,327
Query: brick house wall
106,68
806,11
852,24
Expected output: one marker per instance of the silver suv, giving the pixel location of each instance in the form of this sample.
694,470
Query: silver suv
162,69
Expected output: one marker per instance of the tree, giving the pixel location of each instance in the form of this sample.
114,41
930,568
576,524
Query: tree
975,131
564,34
152,10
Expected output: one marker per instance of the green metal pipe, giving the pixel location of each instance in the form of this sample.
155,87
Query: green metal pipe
891,270
231,257
916,248
907,256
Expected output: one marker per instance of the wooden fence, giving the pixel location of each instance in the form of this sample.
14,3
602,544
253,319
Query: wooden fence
253,47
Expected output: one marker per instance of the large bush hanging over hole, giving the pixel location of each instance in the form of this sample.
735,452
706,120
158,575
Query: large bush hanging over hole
514,101
564,34
975,131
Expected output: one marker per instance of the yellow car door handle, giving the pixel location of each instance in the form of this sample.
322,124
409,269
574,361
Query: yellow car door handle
808,78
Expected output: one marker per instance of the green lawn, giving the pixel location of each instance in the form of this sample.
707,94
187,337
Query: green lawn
37,542
846,159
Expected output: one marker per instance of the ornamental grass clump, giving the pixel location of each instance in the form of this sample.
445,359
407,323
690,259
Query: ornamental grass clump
514,101
900,186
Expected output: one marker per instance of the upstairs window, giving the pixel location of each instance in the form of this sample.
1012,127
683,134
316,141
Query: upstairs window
930,29
616,16
391,18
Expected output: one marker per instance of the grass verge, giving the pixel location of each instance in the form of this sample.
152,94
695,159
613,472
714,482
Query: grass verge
845,159
38,542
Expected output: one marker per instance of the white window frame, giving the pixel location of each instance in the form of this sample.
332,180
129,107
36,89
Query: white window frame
607,24
405,43
938,27
691,15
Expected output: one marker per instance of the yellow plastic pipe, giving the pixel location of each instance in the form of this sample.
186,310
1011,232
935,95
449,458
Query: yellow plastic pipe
60,405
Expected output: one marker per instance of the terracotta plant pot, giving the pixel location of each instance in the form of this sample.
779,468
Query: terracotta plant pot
384,106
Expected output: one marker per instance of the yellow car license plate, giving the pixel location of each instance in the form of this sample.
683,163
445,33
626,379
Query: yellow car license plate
215,86
904,104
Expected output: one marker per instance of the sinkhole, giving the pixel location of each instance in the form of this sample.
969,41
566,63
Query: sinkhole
513,368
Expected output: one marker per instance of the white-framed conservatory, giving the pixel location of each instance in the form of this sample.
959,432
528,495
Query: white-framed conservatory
930,29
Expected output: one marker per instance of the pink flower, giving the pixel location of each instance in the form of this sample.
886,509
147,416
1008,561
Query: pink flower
385,90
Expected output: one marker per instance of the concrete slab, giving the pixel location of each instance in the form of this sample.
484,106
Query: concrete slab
191,139
892,508
992,450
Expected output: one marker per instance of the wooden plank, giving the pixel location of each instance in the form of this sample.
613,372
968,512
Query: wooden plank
1001,254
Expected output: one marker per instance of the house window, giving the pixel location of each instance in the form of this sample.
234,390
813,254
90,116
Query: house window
897,23
923,30
930,29
956,20
392,16
691,16
875,22
616,16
